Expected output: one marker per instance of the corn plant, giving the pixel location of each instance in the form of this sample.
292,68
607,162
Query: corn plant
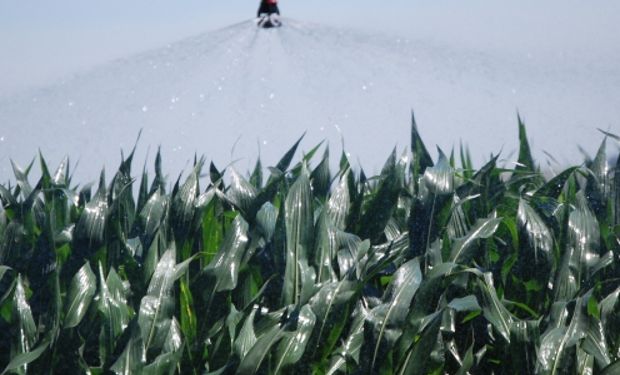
430,267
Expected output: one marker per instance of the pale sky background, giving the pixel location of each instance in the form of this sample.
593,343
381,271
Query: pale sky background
555,61
44,40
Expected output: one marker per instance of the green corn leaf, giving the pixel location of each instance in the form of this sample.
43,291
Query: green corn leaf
212,231
494,311
421,158
157,306
27,329
607,307
439,180
19,363
581,253
293,344
397,298
266,218
299,233
112,304
3,270
91,225
61,175
328,304
254,358
159,182
325,248
553,187
133,358
21,176
382,203
418,359
468,361
81,292
216,176
616,190
468,303
241,193
256,179
349,350
538,234
351,249
6,292
307,277
339,203
321,176
600,166
247,337
525,161
183,203
595,342
153,212
226,263
285,161
143,191
555,344
458,225
188,317
462,248
163,364
166,362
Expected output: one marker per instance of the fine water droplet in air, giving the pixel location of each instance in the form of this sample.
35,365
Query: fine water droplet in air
1,139
272,95
70,104
145,109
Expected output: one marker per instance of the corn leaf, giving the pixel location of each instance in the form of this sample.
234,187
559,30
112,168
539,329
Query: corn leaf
391,314
299,230
81,292
293,344
225,265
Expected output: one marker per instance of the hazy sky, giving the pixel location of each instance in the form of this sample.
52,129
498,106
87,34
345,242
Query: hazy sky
43,40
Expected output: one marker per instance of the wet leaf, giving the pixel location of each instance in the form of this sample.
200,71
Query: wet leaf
462,248
253,360
494,311
225,265
240,192
21,360
581,253
27,329
81,292
292,346
91,225
299,233
397,298
538,234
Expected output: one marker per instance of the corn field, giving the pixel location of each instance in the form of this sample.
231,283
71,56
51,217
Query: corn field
430,267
